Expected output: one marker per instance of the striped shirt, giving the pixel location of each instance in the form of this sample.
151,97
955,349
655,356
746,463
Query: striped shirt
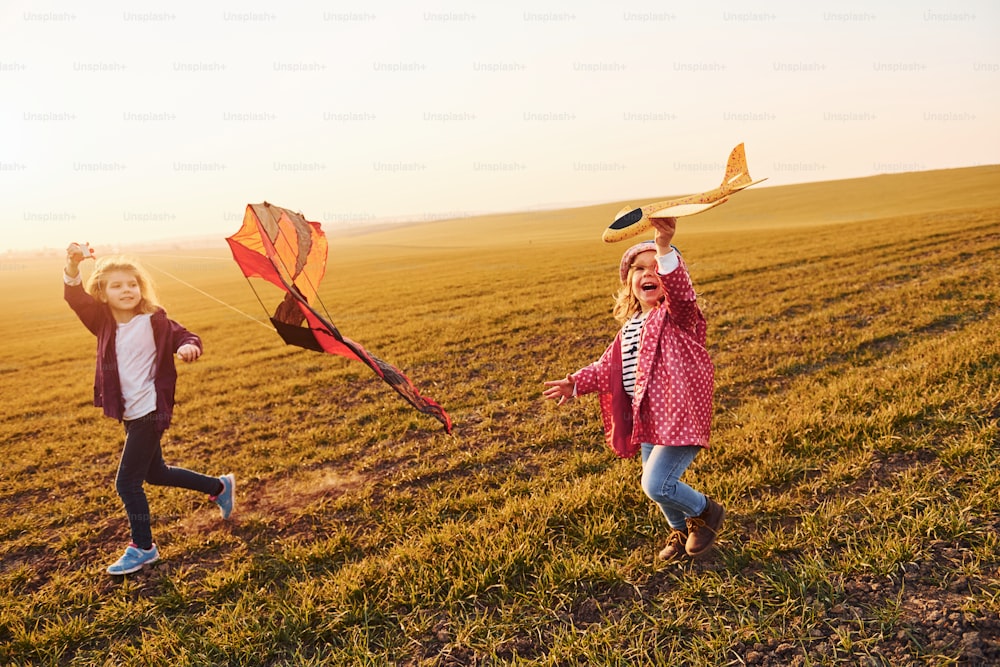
631,332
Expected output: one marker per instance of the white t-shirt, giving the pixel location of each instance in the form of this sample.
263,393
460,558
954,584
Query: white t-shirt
136,352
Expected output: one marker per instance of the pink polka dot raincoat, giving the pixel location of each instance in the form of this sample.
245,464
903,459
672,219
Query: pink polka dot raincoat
674,382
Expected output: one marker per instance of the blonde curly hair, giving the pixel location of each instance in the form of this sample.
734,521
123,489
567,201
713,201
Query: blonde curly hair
626,305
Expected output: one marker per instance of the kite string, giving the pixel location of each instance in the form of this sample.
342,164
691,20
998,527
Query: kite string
204,293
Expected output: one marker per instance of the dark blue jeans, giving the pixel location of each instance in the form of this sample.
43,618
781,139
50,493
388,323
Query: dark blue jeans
142,461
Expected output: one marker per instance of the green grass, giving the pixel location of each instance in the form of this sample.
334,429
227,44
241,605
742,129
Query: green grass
855,446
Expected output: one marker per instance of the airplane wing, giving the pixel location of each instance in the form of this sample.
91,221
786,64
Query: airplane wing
680,210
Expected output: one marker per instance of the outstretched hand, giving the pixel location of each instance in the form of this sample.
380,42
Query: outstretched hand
189,352
560,389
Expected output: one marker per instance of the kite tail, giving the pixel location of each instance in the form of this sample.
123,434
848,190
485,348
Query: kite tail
395,379
328,339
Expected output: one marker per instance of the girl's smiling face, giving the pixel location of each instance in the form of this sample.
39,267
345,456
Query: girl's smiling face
646,286
122,293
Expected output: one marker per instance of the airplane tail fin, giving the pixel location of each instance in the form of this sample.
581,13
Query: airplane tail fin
737,174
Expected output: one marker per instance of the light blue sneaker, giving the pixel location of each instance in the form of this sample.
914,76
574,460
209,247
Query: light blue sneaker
227,499
134,559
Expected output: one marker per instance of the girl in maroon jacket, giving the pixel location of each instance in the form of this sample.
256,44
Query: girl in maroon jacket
655,383
134,383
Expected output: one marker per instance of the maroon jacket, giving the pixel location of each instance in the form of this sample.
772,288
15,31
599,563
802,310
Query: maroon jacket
168,337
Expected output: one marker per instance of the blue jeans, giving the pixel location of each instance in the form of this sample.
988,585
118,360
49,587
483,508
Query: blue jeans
142,461
662,468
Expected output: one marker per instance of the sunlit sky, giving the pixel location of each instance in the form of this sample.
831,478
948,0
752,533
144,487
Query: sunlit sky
134,121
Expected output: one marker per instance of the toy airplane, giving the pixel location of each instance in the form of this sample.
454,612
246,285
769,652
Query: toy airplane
633,221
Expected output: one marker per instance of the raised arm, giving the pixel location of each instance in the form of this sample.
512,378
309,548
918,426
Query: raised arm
681,301
90,311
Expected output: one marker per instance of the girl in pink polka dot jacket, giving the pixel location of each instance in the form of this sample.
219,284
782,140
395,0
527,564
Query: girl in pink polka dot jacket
655,383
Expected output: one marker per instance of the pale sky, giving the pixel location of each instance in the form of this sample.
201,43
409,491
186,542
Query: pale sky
134,121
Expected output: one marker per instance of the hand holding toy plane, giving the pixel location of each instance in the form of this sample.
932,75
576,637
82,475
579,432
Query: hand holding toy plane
80,251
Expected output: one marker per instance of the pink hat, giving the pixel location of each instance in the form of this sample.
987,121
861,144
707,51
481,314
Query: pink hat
630,254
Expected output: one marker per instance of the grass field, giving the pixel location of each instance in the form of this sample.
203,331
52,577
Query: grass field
854,327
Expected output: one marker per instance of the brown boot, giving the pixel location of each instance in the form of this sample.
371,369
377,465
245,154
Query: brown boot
702,529
675,545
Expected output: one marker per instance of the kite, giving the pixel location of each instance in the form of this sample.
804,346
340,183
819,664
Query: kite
631,221
289,251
